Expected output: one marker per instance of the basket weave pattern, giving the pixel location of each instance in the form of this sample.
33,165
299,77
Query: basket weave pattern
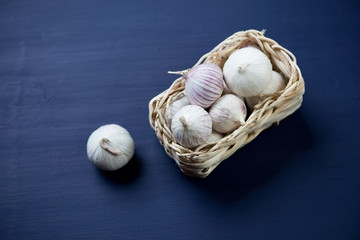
200,162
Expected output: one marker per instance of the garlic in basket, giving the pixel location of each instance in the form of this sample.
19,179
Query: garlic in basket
214,137
174,107
191,126
247,71
228,113
276,84
110,147
203,84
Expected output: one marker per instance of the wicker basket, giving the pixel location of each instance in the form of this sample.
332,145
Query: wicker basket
200,162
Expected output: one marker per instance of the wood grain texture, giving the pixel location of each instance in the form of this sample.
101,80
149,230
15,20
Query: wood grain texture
68,67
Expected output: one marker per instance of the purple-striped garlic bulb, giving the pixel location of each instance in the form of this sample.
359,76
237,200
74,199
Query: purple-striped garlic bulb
191,126
228,113
204,84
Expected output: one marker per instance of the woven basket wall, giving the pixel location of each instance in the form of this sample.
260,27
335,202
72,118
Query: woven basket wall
200,162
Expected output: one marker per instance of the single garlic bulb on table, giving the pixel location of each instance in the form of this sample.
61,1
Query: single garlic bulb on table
228,113
247,71
191,126
203,84
110,147
276,84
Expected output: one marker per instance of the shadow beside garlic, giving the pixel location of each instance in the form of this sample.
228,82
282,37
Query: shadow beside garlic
125,175
258,162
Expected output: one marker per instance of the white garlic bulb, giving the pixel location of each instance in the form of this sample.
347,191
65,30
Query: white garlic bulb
215,136
191,126
204,84
110,147
174,107
228,113
276,84
247,71
228,91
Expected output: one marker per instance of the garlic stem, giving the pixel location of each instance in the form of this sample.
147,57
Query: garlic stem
106,145
183,121
182,73
242,67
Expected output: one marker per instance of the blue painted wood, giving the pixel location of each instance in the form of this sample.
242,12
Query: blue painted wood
68,67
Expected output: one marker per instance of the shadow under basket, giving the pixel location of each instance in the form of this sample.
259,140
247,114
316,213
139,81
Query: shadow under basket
271,109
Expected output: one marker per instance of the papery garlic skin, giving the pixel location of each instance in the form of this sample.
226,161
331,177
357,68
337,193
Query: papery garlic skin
226,90
214,137
247,71
204,84
276,84
228,113
191,126
174,107
110,147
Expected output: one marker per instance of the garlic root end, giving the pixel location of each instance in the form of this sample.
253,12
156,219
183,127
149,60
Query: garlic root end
242,67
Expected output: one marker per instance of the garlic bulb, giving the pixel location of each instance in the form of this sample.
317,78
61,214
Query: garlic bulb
215,136
226,90
204,84
191,126
228,113
110,147
174,107
276,84
247,71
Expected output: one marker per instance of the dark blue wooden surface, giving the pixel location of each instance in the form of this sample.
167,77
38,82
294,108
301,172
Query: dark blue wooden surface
67,67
